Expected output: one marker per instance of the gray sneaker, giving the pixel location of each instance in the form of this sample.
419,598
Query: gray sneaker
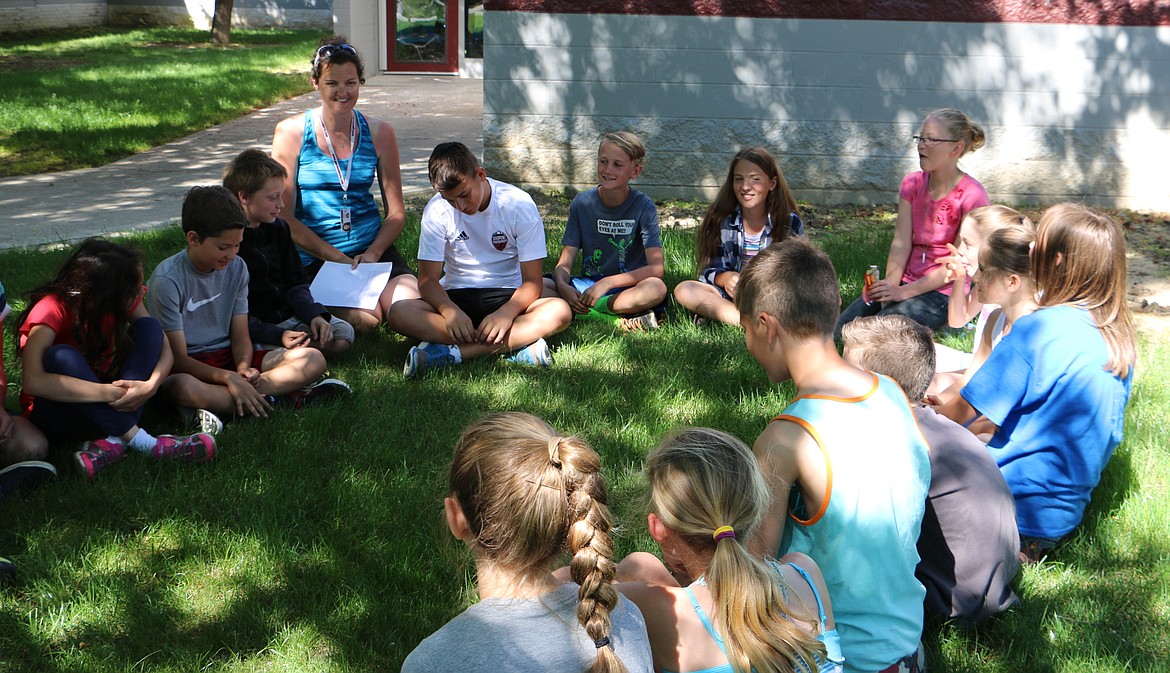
202,420
640,323
25,475
322,390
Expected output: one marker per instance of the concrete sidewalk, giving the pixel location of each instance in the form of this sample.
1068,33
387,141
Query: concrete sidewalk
146,190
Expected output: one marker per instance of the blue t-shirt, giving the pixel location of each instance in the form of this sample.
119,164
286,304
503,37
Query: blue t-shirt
1060,415
612,240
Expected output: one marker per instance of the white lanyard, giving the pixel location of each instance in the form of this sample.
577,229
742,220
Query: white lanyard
354,133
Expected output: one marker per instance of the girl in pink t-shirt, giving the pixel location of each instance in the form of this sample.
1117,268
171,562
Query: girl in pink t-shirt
932,203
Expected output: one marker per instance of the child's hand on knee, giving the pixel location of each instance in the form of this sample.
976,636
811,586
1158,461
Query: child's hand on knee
459,326
322,330
291,339
248,400
134,395
572,297
493,328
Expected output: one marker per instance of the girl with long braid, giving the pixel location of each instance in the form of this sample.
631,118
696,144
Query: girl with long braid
520,495
739,613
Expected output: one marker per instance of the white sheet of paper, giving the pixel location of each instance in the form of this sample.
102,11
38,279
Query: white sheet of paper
338,285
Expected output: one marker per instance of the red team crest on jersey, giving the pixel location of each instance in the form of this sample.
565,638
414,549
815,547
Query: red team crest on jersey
499,240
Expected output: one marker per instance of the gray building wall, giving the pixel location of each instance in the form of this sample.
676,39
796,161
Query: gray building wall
24,15
1078,112
245,13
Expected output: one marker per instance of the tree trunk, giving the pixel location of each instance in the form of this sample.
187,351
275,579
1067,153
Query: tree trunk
221,23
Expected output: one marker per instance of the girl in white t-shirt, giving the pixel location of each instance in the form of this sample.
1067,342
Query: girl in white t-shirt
1003,280
964,304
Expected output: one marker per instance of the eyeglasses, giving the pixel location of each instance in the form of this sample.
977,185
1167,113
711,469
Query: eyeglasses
931,142
327,50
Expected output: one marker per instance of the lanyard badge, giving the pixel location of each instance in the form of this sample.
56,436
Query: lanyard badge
355,134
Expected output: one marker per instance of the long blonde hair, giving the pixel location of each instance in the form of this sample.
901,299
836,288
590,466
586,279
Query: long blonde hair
701,480
1091,273
528,493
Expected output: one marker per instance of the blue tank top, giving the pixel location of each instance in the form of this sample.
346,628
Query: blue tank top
833,659
865,535
320,197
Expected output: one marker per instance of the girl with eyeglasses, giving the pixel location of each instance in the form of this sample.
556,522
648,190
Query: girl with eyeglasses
932,203
333,155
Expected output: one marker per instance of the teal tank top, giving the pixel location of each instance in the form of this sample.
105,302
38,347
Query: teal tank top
320,197
833,659
864,538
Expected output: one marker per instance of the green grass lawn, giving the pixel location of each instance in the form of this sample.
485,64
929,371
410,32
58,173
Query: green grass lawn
84,98
315,541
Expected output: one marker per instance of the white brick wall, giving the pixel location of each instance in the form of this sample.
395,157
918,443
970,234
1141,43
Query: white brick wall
28,15
1071,112
199,14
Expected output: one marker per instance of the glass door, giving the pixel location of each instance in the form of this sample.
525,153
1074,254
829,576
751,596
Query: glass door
424,35
473,27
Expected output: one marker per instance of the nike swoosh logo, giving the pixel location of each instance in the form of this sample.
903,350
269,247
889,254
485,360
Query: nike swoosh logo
192,304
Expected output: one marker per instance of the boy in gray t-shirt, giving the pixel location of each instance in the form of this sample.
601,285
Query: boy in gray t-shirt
615,228
200,297
969,544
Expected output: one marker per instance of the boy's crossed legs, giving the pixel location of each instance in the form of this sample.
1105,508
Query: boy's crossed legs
644,297
418,319
281,372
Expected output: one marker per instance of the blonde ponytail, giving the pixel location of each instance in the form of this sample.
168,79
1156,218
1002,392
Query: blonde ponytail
592,567
703,482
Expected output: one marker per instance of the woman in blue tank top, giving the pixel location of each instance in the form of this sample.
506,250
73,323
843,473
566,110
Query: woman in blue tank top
333,154
707,497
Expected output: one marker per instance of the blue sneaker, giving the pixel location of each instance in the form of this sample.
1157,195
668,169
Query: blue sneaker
427,356
536,354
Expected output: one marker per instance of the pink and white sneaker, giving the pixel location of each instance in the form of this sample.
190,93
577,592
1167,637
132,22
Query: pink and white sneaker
195,448
95,455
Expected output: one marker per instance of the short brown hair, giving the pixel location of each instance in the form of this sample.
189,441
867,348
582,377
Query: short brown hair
335,50
794,281
210,211
450,164
896,346
247,173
